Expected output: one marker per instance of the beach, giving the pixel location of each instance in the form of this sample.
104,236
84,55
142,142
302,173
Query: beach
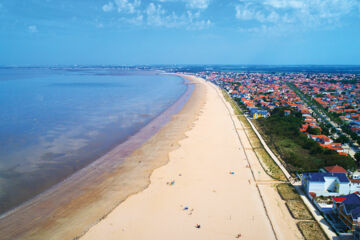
211,188
196,177
70,208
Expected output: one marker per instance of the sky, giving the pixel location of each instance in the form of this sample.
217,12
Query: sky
130,32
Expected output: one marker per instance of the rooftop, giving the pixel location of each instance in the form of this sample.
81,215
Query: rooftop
335,169
320,176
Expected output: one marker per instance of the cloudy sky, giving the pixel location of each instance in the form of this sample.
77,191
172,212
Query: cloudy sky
47,32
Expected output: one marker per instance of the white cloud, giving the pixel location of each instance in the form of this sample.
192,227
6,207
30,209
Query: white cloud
285,3
305,13
199,25
273,17
243,13
192,4
127,6
194,21
137,20
197,4
33,29
108,7
248,13
155,15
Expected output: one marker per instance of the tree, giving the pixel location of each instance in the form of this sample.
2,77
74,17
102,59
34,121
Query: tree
325,129
357,156
342,139
314,131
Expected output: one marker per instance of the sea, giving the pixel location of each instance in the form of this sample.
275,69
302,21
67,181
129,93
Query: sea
55,121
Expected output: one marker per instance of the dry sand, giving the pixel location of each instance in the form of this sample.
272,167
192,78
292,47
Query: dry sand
204,192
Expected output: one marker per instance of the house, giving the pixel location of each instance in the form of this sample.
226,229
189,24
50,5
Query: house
287,113
349,211
309,119
323,139
356,233
304,127
258,113
334,169
325,183
336,147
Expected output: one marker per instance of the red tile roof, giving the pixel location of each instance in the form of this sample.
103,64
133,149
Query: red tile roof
335,169
339,199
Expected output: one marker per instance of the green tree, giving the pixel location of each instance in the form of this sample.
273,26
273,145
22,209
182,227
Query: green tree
357,156
314,131
342,139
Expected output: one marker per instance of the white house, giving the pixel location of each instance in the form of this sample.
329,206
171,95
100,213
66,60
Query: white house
326,184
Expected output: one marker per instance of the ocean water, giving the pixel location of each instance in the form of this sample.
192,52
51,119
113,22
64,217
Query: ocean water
54,122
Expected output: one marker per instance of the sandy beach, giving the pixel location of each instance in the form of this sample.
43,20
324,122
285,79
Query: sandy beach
70,208
211,188
196,178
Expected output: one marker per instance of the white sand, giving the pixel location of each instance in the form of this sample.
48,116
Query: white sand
223,204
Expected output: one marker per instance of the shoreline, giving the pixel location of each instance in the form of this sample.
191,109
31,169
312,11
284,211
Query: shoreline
62,212
157,122
198,170
212,187
55,153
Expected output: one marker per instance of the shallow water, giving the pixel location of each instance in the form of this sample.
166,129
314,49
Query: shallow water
56,121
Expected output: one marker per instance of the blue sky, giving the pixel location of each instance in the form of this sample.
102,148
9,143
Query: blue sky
48,32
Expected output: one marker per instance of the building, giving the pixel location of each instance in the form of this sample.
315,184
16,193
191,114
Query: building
334,169
356,233
258,113
326,184
349,211
355,185
322,139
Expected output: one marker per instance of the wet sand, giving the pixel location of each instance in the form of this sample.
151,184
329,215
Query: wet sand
71,207
212,188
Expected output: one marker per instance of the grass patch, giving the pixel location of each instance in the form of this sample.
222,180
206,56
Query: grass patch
254,140
298,210
311,230
236,108
287,192
271,167
245,123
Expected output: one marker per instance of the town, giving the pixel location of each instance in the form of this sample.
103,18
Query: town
325,108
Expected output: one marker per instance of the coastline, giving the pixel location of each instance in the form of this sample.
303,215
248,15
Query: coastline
91,193
213,187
